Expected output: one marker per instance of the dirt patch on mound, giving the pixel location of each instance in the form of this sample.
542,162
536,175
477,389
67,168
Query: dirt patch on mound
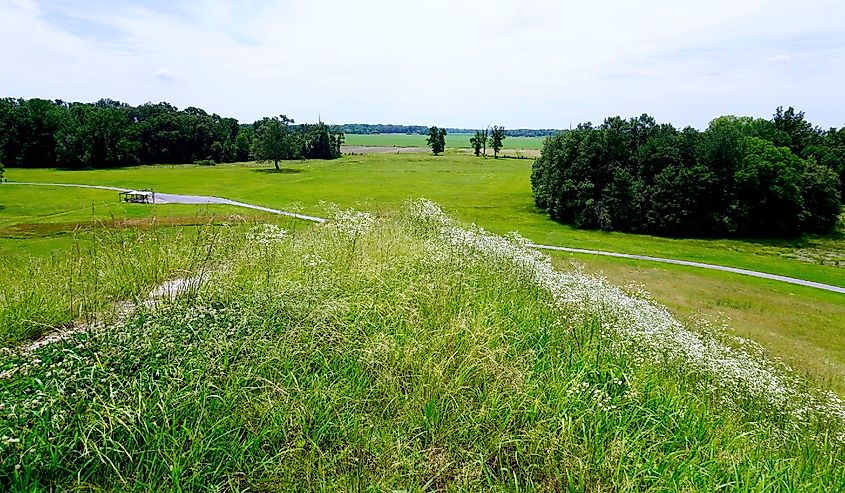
29,230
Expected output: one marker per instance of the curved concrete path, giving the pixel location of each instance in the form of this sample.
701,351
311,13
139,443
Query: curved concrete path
172,198
176,198
735,270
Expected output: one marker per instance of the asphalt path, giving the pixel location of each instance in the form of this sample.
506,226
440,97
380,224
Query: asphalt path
173,198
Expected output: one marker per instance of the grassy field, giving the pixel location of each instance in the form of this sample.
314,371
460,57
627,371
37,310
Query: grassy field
452,141
805,330
405,353
494,193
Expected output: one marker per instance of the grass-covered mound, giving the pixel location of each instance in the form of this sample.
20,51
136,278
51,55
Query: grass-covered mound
406,353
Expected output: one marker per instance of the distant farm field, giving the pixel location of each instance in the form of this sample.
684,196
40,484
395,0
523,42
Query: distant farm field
452,140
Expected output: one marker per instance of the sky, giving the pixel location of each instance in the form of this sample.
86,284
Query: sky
452,63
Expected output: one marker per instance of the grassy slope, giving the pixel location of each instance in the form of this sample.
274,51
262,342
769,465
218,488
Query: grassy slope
61,266
495,194
452,140
383,360
803,326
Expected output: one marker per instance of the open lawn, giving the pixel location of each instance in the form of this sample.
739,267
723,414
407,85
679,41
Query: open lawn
803,325
452,141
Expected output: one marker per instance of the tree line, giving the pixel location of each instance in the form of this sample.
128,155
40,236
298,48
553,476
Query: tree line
43,133
740,177
366,128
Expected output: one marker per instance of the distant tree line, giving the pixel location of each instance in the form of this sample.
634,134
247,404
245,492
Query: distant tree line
365,128
42,133
740,177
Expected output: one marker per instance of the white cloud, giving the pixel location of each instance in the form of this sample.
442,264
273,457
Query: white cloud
543,64
164,74
779,59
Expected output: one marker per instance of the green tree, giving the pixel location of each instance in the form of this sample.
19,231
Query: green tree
767,194
436,140
820,191
274,140
243,143
497,136
798,131
321,141
479,142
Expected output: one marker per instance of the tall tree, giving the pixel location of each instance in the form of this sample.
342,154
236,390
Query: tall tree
479,142
274,140
321,141
497,135
436,140
243,143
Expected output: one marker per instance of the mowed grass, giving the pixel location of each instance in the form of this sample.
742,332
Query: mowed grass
452,141
42,221
494,193
404,354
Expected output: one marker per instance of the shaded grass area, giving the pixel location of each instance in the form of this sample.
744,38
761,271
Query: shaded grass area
368,355
802,326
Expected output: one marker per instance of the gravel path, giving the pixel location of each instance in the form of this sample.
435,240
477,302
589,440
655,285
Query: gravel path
172,198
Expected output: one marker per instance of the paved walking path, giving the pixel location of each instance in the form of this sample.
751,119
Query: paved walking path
176,198
735,270
172,198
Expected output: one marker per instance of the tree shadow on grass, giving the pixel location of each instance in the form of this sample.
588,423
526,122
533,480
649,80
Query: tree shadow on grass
280,171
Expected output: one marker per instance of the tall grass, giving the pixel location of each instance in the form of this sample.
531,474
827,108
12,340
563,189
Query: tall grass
105,268
406,353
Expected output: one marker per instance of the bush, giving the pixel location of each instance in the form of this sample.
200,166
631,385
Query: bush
205,162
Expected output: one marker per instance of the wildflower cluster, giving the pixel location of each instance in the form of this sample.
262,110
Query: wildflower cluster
644,330
267,234
352,223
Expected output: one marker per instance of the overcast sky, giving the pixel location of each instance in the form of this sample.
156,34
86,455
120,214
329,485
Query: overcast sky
455,63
